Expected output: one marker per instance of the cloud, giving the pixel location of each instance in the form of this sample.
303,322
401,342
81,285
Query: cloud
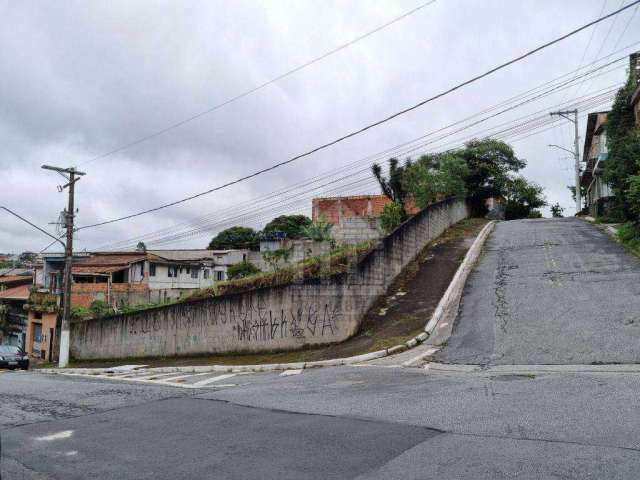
80,79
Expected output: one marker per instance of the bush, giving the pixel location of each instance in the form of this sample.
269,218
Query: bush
629,235
100,308
241,270
391,216
320,230
81,313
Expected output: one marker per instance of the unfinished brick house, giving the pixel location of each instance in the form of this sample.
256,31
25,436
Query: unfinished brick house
355,219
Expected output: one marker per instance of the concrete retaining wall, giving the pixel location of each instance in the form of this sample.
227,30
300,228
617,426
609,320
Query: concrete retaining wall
277,318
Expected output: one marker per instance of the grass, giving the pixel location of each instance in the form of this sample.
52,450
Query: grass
629,236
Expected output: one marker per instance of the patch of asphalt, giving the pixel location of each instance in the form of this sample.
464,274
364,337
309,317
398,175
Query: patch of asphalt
32,398
549,292
192,438
588,408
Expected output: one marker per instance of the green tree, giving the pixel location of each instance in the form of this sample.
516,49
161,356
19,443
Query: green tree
292,225
241,270
393,185
235,238
391,216
320,230
556,210
490,163
435,175
623,145
523,198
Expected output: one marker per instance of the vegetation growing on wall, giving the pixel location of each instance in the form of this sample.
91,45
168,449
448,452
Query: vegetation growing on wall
391,216
338,261
241,270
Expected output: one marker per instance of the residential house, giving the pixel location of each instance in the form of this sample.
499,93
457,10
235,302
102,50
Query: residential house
13,316
175,272
598,193
13,277
119,279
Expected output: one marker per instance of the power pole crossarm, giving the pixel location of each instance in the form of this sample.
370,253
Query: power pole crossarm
65,327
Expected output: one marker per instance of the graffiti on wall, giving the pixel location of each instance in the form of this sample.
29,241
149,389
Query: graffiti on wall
250,321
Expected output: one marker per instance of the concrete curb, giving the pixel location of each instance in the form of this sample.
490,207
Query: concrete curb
447,309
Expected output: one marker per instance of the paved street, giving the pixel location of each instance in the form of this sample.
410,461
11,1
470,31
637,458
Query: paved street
545,293
549,292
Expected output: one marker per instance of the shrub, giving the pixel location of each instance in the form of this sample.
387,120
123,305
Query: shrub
320,230
629,235
391,216
242,270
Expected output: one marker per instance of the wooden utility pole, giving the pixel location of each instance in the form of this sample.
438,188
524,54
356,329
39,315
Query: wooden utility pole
72,176
576,152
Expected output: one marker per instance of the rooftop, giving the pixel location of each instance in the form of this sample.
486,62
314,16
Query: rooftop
16,293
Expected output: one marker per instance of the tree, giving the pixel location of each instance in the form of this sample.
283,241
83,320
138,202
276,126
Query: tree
434,176
623,145
141,247
292,225
490,164
556,210
236,238
241,270
523,198
320,230
393,186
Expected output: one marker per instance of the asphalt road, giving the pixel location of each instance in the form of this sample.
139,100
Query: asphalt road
549,291
371,422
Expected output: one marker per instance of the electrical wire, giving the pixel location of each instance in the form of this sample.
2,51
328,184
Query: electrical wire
371,125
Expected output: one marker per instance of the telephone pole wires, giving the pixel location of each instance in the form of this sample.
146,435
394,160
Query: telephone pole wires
72,176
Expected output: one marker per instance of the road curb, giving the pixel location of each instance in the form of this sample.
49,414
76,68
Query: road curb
447,309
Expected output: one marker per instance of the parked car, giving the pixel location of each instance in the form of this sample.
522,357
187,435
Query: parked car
13,357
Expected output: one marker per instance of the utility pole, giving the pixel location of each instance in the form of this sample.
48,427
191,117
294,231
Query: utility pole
576,145
70,175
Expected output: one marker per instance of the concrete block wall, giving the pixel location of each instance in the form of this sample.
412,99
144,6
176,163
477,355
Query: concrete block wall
316,311
354,230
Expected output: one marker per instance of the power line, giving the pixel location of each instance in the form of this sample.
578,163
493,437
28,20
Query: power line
371,125
262,85
280,205
251,203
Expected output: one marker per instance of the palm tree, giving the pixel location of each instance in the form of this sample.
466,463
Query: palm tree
393,186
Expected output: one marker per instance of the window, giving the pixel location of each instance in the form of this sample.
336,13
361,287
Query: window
172,272
219,276
152,269
188,269
205,275
194,273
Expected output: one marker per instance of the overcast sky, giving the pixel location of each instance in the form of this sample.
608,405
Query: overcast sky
78,79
